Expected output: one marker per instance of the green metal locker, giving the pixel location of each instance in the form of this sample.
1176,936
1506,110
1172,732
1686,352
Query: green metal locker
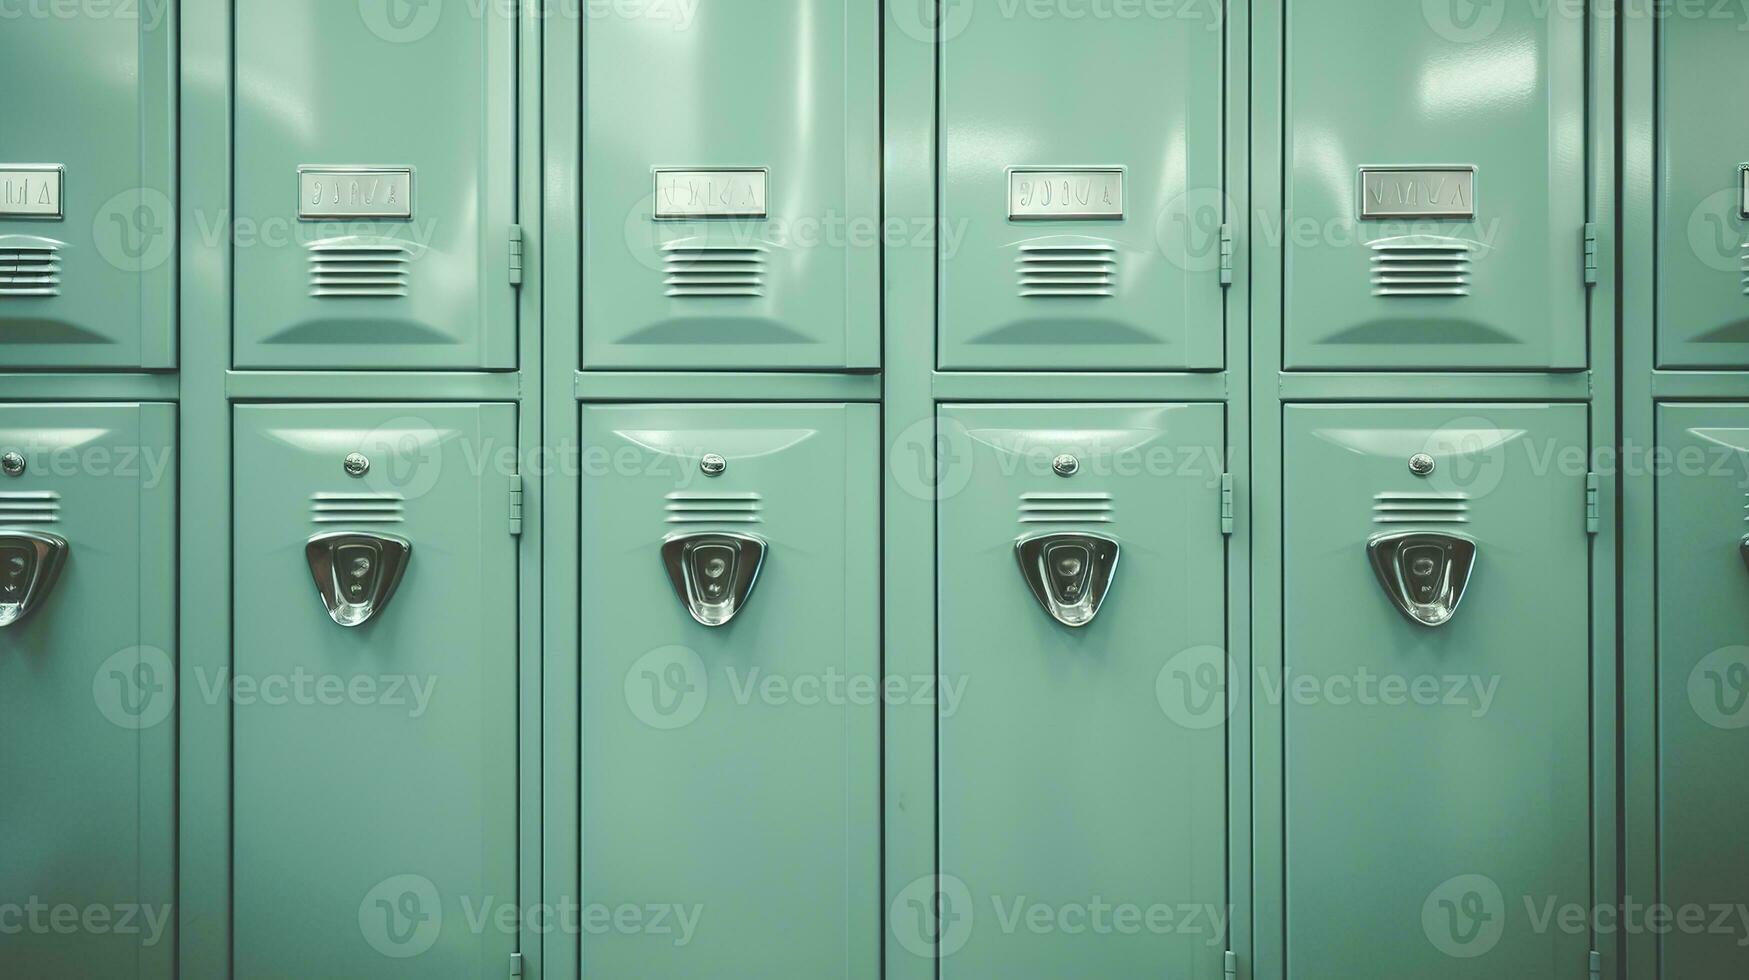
731,187
1082,204
1703,681
87,188
1436,689
88,690
1082,571
375,186
731,698
374,690
1436,198
1703,197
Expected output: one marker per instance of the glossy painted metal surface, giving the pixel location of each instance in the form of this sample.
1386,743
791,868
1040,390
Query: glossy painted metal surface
374,778
88,696
732,770
792,89
1141,95
1445,772
1703,680
1081,765
1500,88
380,85
90,97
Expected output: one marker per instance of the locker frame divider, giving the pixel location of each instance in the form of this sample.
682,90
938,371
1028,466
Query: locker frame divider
1273,387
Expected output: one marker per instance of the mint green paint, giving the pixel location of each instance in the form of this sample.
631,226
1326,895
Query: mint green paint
791,87
379,84
721,775
357,821
1083,771
1141,94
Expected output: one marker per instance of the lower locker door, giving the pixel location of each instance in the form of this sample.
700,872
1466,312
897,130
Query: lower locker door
1437,691
374,691
1703,686
87,691
1082,714
731,711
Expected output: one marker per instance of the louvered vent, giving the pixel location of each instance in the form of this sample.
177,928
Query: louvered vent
1065,508
1421,508
713,508
695,271
1062,269
360,267
357,508
29,266
1421,265
30,507
1746,268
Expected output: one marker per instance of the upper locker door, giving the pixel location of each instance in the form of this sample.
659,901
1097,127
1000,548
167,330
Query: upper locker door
1436,200
375,185
88,687
87,187
1081,191
732,690
1703,680
1703,196
374,691
731,187
1437,689
1082,680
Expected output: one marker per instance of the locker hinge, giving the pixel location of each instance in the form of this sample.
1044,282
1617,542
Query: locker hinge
1226,255
1596,959
1226,503
1590,253
1593,516
516,964
516,504
515,255
1232,965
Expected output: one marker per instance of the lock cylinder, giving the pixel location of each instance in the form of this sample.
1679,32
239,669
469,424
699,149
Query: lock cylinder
1069,574
356,573
713,573
1425,573
30,563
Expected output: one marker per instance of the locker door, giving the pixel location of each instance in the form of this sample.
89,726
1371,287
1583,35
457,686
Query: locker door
87,187
375,185
1703,197
1703,679
374,691
1081,203
1074,774
1436,187
731,189
1437,689
87,689
731,726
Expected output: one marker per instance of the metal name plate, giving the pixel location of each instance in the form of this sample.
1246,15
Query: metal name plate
1744,172
340,193
726,193
30,190
1417,192
1080,194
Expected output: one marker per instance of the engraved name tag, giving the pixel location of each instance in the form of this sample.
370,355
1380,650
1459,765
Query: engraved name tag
1418,192
1081,194
726,193
338,193
30,191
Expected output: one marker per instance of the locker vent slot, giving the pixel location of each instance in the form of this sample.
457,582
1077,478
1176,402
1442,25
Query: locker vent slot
714,508
359,267
694,271
1071,270
29,266
1421,265
357,508
30,507
1746,268
1421,508
1065,508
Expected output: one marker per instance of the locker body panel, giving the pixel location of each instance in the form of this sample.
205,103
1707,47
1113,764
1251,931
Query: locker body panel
1448,765
723,749
374,766
1073,771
